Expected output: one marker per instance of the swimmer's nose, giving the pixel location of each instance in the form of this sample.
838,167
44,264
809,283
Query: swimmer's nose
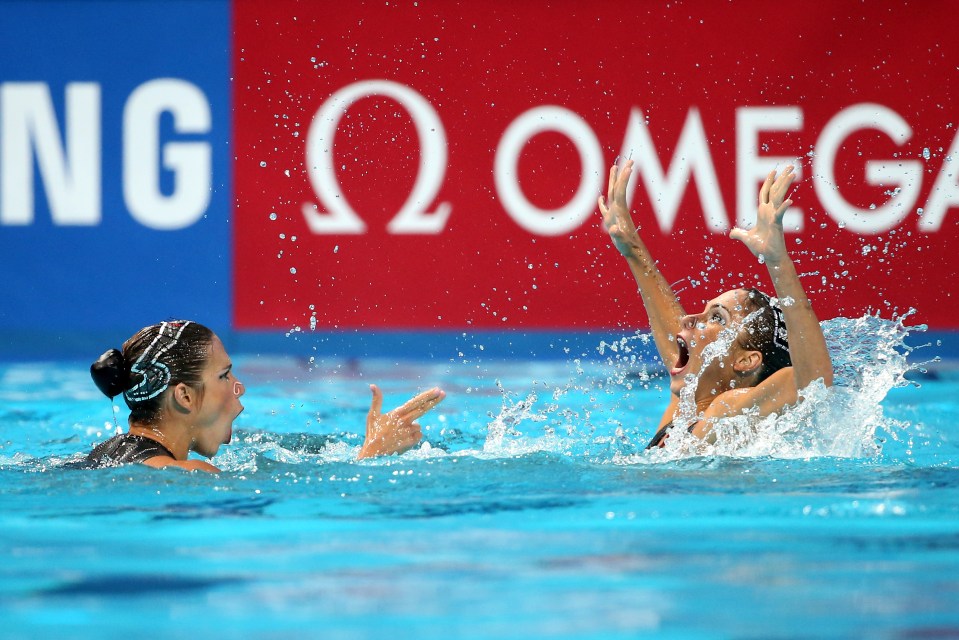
238,389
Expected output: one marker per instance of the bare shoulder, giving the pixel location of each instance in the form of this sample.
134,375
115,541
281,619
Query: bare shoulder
161,462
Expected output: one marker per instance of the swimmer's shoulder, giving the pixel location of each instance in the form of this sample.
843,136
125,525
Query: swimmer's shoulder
162,462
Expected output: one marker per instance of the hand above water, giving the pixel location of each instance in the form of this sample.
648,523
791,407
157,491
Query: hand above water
396,431
766,239
616,218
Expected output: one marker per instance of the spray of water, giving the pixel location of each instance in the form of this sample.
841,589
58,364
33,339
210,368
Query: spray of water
870,357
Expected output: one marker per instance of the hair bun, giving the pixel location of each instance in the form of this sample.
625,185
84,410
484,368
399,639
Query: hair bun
110,373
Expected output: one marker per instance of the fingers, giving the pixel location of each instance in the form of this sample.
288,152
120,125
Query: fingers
767,185
376,406
415,431
418,406
738,234
781,211
782,184
775,187
604,210
621,181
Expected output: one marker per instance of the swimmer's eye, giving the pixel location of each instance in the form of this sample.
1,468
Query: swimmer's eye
718,318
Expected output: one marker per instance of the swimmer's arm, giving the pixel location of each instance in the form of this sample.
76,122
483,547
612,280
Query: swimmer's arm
396,431
807,345
771,395
161,462
662,306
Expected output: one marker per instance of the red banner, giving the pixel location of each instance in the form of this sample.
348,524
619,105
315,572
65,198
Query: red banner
419,165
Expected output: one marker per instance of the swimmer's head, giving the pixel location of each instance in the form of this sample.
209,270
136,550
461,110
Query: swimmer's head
152,360
765,333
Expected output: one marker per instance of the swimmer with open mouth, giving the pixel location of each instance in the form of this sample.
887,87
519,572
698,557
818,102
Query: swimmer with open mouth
746,352
178,381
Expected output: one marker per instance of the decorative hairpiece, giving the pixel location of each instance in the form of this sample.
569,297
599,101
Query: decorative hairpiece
780,341
154,376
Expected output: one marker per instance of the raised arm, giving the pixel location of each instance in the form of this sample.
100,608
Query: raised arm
807,346
662,306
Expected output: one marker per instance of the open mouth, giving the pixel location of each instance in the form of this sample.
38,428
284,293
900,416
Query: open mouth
683,358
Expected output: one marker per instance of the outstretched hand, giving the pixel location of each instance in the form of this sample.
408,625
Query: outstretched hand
396,431
615,211
766,238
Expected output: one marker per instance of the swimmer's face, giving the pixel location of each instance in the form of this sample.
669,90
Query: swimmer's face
220,404
722,318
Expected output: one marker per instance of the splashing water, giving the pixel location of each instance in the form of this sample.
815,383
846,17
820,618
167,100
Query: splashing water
870,357
504,424
605,411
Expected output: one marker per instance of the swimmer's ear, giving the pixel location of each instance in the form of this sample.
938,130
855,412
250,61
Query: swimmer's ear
748,362
184,397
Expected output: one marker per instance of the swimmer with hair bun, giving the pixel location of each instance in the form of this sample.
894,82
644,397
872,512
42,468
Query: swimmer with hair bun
183,395
747,352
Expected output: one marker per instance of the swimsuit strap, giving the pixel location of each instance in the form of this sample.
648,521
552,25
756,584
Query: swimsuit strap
658,438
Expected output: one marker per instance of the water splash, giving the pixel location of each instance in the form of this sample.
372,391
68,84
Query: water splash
870,357
504,424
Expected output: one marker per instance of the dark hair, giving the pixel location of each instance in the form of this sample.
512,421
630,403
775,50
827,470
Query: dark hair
765,333
153,359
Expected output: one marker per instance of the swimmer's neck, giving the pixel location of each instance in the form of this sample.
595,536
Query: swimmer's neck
178,446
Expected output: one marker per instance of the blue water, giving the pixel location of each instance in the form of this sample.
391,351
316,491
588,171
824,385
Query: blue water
532,511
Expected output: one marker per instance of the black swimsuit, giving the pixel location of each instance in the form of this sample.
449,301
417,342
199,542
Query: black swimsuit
125,448
657,440
660,435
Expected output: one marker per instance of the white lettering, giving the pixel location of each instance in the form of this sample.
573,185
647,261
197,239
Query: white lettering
71,176
190,162
413,216
751,168
945,192
691,157
551,222
905,175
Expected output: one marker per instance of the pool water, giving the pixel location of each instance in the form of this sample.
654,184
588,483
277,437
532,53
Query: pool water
531,511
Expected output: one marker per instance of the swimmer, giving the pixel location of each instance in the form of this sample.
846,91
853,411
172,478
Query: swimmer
183,395
750,353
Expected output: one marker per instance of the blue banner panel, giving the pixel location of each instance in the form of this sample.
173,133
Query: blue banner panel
115,196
